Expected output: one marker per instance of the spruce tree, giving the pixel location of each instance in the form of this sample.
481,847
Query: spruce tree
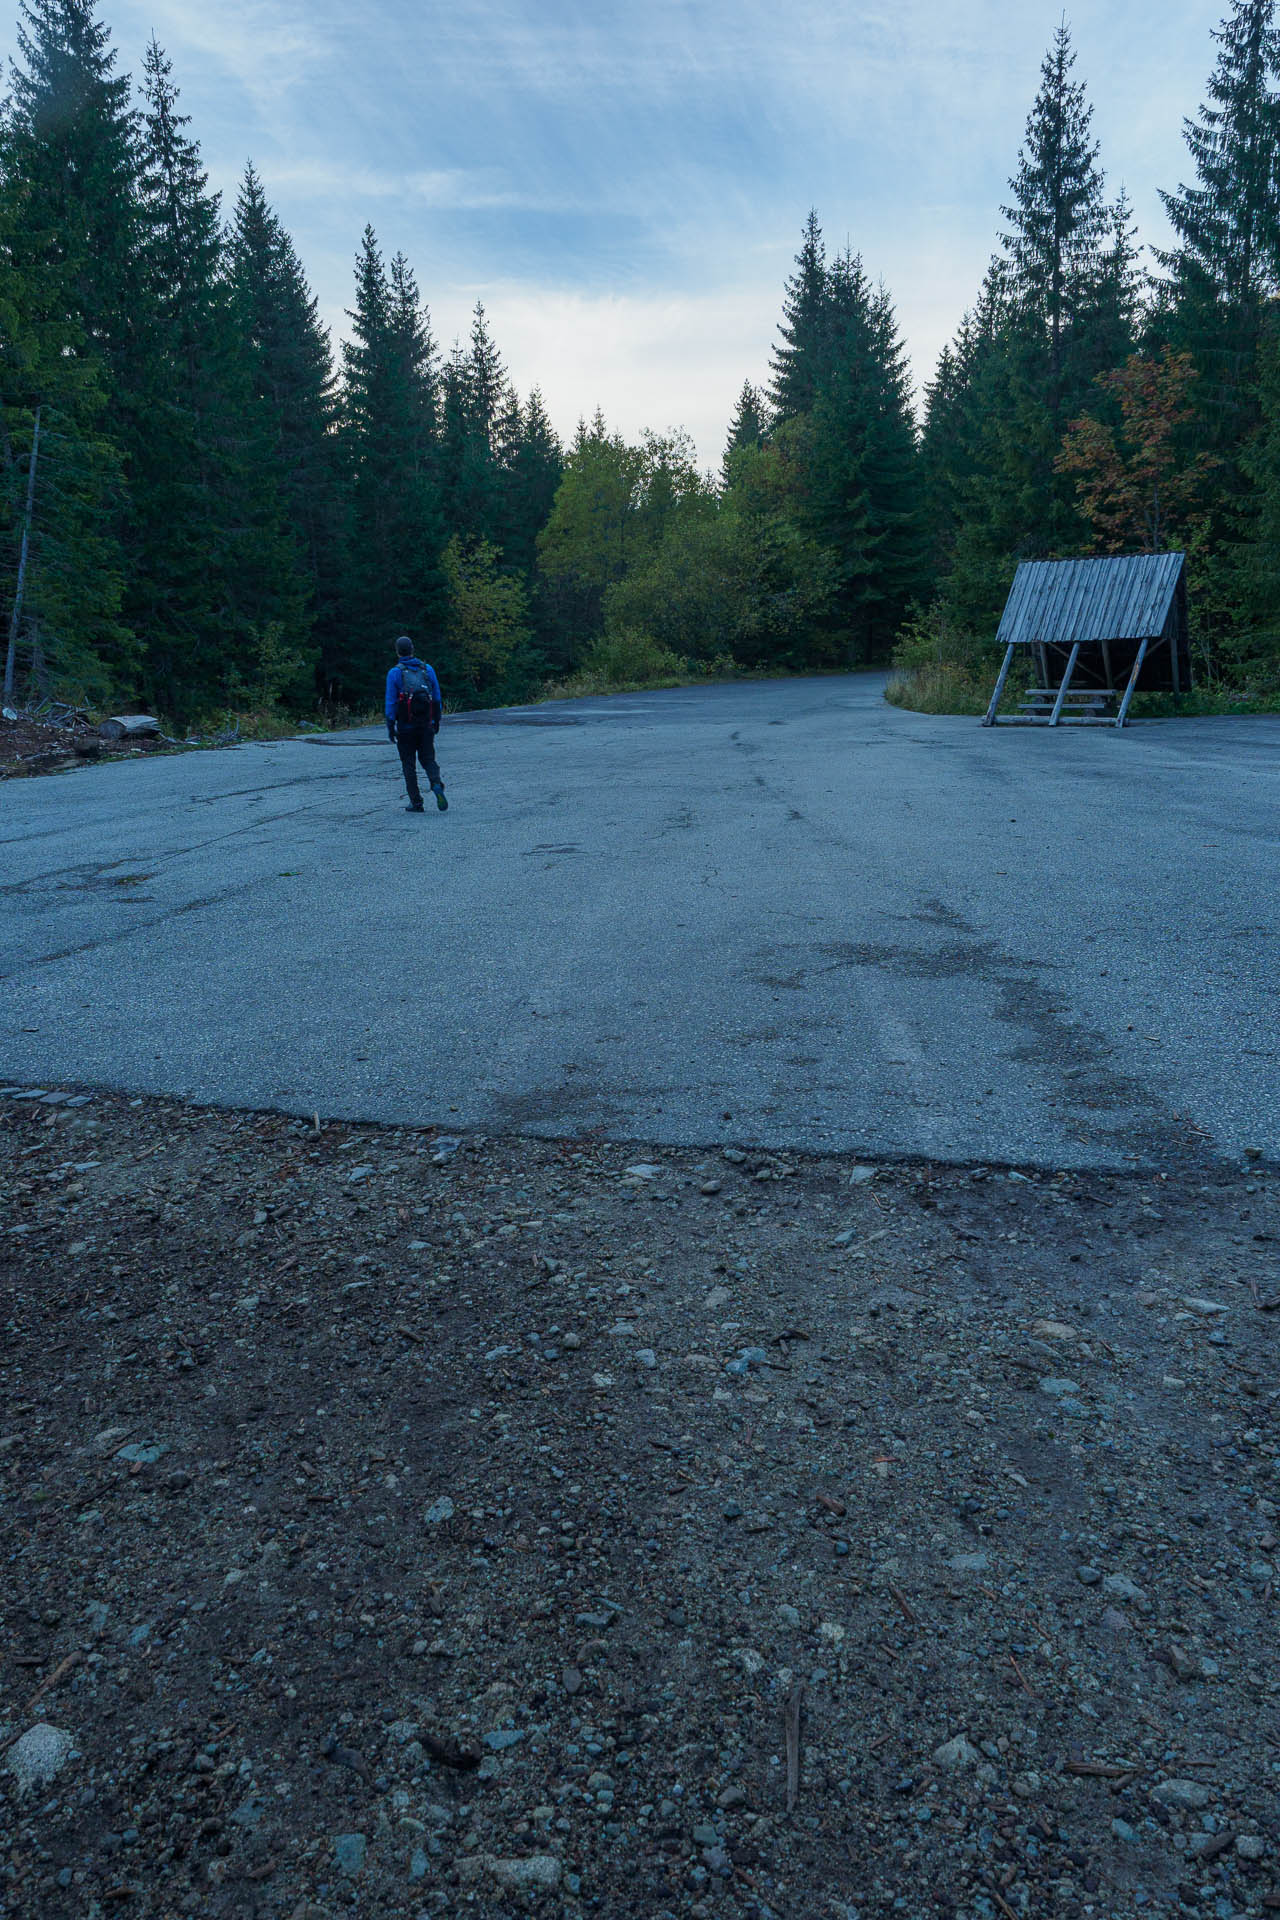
394,579
1227,261
71,279
1058,217
486,378
1228,223
532,462
72,141
214,576
290,370
862,493
1255,649
1056,311
475,393
802,354
749,427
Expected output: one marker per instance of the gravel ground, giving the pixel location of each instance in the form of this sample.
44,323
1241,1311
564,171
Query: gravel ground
410,1526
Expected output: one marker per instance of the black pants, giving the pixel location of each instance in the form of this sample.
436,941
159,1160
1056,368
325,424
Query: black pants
417,742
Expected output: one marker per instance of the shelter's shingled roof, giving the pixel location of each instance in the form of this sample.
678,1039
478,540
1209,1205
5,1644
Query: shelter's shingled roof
1062,601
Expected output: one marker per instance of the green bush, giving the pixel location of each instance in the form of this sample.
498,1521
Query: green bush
941,666
632,657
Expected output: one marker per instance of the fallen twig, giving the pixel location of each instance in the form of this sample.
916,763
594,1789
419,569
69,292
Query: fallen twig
60,1672
1000,1900
1027,1687
905,1604
792,1727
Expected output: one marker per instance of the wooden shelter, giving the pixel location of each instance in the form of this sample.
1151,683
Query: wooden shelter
1099,631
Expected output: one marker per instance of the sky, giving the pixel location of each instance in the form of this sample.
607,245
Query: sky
623,186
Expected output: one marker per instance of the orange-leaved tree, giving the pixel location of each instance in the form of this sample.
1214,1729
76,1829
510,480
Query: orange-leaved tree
1139,487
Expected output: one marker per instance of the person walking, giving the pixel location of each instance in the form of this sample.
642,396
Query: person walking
413,710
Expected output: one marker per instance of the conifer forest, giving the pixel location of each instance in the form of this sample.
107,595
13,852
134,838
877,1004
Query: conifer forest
206,506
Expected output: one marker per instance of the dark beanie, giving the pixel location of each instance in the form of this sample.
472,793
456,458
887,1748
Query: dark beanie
404,646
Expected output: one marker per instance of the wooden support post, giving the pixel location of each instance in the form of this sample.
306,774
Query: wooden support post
1066,682
990,720
1123,714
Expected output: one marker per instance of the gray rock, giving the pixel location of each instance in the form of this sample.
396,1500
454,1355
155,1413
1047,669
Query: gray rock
646,1357
504,1737
418,1864
957,1753
142,1456
731,1797
1124,1832
705,1835
1189,1796
1123,1587
1190,1666
968,1563
1251,1846
537,1873
130,726
1088,1576
1059,1389
439,1511
39,1756
349,1850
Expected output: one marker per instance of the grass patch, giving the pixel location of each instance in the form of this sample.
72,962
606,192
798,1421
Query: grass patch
941,687
1205,702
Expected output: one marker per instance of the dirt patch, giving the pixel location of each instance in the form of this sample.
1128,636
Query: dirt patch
403,1526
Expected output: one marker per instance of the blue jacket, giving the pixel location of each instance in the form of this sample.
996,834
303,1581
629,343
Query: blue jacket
394,685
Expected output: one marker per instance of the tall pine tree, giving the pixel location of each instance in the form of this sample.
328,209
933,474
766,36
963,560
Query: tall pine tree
290,370
1057,309
861,495
1228,222
802,354
394,578
1058,216
70,228
748,429
214,577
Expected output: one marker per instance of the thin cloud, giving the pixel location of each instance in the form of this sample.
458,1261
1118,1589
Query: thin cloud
551,152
